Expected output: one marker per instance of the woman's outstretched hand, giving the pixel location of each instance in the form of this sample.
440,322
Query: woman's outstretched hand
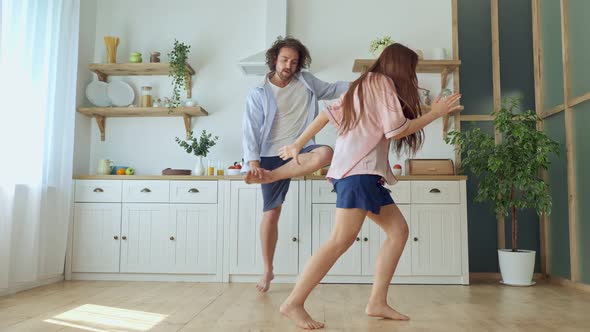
290,151
443,106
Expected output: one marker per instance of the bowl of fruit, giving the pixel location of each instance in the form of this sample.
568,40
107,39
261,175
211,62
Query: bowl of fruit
397,169
234,169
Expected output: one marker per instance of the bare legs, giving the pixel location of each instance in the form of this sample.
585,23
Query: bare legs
348,224
268,239
392,222
308,162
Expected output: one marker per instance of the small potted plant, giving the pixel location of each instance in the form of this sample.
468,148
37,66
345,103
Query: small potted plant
199,147
509,177
178,71
378,45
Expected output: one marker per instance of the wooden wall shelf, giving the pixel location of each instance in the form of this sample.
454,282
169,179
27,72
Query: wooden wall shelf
101,113
424,66
104,70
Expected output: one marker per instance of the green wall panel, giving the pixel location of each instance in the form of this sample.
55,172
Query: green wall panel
476,56
482,225
552,57
581,115
516,51
559,241
579,45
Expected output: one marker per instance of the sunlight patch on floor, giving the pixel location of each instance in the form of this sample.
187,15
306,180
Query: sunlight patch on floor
99,318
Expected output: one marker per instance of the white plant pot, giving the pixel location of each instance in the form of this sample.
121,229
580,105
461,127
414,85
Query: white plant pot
517,268
199,167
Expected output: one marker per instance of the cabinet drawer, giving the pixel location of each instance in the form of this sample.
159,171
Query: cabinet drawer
100,191
322,192
401,192
193,191
436,192
136,191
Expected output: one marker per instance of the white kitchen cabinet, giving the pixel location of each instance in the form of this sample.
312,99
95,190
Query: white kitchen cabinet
144,239
192,238
96,237
323,220
245,218
373,237
435,235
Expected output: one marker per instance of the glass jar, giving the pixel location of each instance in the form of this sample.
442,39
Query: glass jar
146,96
155,57
135,57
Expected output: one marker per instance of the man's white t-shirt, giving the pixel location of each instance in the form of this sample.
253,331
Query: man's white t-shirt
292,111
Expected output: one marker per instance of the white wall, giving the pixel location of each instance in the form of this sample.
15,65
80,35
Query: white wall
220,34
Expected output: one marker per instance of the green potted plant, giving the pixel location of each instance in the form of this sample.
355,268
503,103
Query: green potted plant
178,71
378,45
199,147
509,176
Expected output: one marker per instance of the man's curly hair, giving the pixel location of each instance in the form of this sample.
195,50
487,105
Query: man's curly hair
290,42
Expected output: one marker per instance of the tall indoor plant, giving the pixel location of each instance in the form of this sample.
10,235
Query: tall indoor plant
509,176
199,147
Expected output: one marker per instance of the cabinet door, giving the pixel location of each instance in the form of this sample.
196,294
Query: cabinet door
144,238
96,237
245,218
373,237
435,235
192,238
322,223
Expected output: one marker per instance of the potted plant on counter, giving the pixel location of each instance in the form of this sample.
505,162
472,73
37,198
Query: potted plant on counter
199,147
509,177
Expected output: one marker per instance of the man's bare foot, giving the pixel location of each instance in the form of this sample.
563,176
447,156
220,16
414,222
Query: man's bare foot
299,316
264,283
265,177
384,311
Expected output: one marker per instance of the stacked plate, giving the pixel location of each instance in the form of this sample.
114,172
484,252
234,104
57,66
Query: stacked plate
115,93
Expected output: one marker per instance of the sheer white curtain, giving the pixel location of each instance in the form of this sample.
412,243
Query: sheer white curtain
38,63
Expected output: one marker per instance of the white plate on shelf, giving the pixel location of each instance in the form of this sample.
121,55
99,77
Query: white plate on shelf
120,93
96,92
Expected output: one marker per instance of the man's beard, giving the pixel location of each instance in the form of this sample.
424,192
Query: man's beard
285,76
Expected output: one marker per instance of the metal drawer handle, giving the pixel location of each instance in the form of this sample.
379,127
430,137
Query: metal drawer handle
124,237
98,190
294,239
366,239
146,190
193,190
415,239
115,237
172,238
435,191
358,239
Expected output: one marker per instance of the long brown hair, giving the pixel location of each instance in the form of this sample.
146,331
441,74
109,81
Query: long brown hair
273,52
398,63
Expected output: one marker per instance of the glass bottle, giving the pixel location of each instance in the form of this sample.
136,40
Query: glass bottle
146,96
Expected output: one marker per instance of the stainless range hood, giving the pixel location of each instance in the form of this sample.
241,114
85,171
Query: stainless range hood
276,25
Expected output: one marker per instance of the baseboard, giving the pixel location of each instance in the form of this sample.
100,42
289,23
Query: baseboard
19,287
495,277
568,283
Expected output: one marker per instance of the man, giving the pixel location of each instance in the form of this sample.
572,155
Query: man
277,112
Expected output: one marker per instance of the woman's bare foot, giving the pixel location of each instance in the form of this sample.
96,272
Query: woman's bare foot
264,284
384,311
299,316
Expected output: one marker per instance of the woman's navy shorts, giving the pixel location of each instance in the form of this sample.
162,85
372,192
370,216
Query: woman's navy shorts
363,191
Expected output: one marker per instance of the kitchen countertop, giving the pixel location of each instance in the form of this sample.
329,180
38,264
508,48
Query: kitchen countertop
239,177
